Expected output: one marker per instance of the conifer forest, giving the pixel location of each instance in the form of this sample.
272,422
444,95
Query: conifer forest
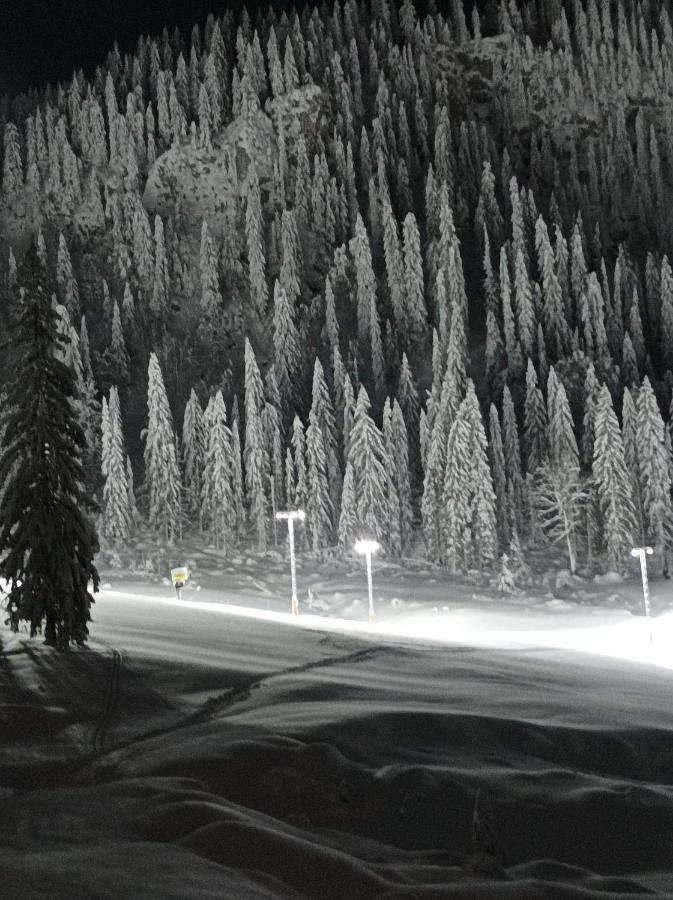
404,269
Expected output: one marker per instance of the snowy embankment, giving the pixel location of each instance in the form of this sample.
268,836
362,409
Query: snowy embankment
197,750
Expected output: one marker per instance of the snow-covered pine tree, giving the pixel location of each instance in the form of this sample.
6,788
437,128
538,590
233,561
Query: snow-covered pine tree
117,519
414,290
133,507
272,428
254,231
143,250
12,173
591,390
391,468
331,329
66,281
47,537
506,582
116,354
535,422
499,477
291,264
488,218
512,349
193,454
512,448
555,327
300,464
162,475
407,394
395,268
216,491
290,479
524,306
211,298
349,410
562,442
254,453
630,438
666,312
400,449
436,450
494,352
286,349
483,500
160,287
319,505
322,412
456,515
105,437
238,487
366,281
367,458
613,482
275,66
654,477
348,520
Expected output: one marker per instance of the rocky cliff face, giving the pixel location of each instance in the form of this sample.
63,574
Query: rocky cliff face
196,182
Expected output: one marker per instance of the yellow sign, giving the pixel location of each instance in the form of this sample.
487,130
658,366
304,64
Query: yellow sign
179,576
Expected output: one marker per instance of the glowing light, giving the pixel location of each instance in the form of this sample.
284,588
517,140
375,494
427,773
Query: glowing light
291,514
366,546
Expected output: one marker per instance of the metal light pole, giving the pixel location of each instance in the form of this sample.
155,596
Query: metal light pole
291,516
368,547
643,553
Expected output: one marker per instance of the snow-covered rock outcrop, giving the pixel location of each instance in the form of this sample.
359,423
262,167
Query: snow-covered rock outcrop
197,181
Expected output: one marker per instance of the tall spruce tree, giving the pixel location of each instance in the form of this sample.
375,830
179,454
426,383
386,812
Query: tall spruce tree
319,505
631,441
255,447
237,470
653,470
456,518
47,536
216,491
162,475
613,482
286,348
254,230
193,455
117,519
367,459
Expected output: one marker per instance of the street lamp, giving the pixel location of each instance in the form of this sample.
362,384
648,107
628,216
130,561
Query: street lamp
292,515
368,547
643,553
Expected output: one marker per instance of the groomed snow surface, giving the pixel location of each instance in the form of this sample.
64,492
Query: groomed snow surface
216,747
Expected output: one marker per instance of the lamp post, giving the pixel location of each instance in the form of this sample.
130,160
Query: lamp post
643,553
368,547
292,515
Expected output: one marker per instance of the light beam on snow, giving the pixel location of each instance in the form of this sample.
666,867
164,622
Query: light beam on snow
627,640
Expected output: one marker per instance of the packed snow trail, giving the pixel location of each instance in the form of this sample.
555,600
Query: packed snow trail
635,639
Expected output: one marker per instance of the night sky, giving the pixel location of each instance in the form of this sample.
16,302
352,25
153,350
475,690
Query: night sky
43,42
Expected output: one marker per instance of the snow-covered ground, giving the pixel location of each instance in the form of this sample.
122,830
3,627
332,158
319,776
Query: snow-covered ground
218,747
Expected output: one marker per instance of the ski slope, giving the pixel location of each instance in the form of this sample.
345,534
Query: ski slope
202,748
